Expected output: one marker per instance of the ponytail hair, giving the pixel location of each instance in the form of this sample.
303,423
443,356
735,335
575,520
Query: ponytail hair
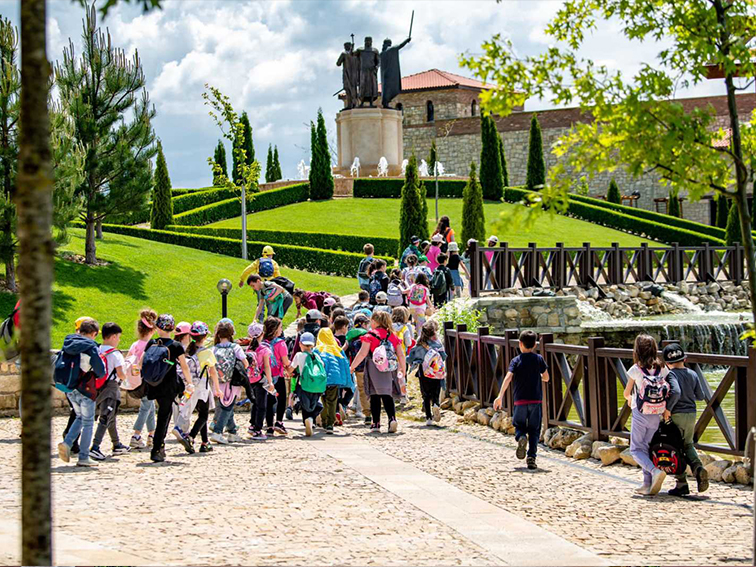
146,323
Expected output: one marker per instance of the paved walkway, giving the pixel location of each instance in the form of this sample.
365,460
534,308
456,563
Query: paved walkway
451,496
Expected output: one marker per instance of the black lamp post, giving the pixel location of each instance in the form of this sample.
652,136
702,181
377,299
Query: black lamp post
224,287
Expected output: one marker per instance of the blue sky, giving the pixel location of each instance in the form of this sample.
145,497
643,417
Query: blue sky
276,60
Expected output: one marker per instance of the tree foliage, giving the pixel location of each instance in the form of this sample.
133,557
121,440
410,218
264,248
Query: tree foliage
536,172
219,157
723,211
10,88
321,177
613,195
277,174
269,165
244,139
673,205
491,178
503,159
162,202
411,221
104,92
473,217
432,158
733,233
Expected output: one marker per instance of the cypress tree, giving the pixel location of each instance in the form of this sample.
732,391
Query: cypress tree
277,174
490,160
673,208
269,165
613,195
411,222
432,157
162,205
503,158
733,233
321,177
313,157
723,208
220,158
753,205
249,146
422,230
536,175
473,217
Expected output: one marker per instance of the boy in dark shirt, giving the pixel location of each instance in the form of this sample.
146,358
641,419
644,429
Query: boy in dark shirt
440,299
526,371
685,390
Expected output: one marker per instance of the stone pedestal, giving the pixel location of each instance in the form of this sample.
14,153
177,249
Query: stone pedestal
370,134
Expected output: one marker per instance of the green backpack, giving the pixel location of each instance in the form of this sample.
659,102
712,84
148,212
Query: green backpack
314,377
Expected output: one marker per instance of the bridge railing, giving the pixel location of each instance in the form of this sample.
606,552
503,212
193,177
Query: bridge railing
502,267
585,389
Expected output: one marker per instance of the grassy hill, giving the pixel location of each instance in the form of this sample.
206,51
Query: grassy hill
170,279
380,217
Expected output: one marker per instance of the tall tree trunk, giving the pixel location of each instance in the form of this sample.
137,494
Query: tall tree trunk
98,229
90,248
35,269
10,275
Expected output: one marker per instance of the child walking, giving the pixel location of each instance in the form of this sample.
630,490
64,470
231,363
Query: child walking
309,381
226,353
338,375
261,381
181,422
419,298
526,371
206,385
146,416
280,369
403,329
647,366
454,265
685,390
429,357
353,346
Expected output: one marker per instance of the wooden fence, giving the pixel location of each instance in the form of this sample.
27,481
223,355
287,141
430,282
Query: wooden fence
586,384
494,269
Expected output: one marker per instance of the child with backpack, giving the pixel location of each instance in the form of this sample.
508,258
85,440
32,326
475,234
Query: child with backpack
280,368
685,391
309,300
454,265
381,302
338,375
277,299
72,412
145,331
419,298
232,372
646,392
309,381
429,358
265,267
396,288
181,418
260,379
385,367
109,393
403,329
434,251
378,281
526,373
77,366
340,327
352,347
442,281
160,361
363,276
409,272
363,302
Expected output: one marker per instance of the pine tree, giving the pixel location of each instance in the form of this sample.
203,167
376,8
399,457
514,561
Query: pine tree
613,195
220,158
269,177
313,156
277,174
162,205
423,231
536,175
473,217
733,234
673,208
490,160
432,158
321,177
411,222
723,208
503,158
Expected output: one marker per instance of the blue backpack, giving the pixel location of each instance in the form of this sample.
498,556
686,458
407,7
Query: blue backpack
156,363
373,289
265,268
272,347
67,373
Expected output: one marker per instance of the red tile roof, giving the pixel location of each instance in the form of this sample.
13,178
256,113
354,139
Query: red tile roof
435,79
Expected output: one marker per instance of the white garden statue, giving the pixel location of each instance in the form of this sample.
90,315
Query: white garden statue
404,166
422,170
439,169
354,171
303,169
383,167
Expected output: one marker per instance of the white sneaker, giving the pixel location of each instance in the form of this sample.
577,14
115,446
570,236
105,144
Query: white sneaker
643,489
436,413
64,452
429,422
234,438
308,427
657,479
137,443
359,415
393,426
218,438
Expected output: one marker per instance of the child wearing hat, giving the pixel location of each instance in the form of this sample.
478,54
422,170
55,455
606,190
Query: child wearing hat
265,267
685,390
309,381
454,264
434,251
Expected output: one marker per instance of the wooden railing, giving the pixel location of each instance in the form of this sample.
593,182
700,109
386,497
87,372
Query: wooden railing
585,390
494,269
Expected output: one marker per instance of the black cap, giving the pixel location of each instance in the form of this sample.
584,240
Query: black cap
673,353
415,239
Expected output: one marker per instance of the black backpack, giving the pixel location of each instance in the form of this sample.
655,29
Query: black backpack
285,283
666,449
156,363
239,376
438,283
363,268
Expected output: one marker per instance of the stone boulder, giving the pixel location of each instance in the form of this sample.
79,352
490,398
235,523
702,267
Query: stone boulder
619,441
466,405
706,459
490,412
608,455
627,458
470,416
582,452
549,434
564,438
742,476
596,446
728,475
495,422
446,404
457,407
483,417
716,469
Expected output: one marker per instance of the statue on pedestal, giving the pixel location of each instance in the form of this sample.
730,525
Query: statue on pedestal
391,74
350,73
369,61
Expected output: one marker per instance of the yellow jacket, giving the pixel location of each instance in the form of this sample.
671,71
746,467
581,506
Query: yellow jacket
254,268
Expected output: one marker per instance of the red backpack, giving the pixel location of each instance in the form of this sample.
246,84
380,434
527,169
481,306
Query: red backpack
100,382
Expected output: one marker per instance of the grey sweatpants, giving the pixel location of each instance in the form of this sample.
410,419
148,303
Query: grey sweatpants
641,433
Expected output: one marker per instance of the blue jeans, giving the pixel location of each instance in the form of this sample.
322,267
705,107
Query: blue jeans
83,424
225,418
146,415
527,421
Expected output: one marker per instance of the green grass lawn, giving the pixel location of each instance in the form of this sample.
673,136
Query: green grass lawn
380,217
170,279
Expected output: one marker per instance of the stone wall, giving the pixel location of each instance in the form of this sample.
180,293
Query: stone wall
540,314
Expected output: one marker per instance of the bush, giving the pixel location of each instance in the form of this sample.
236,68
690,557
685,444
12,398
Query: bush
733,234
231,208
177,192
298,257
673,205
613,195
491,176
383,188
723,209
536,173
189,201
473,217
347,243
411,219
321,177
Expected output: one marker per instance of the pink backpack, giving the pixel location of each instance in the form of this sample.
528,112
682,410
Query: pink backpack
652,393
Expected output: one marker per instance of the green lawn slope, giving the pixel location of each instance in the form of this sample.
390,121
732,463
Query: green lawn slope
380,217
170,279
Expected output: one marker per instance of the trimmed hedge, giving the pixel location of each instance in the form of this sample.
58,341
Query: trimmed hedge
620,221
176,192
383,188
231,208
347,243
197,199
342,264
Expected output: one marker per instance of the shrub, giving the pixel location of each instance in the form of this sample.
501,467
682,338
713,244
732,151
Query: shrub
277,174
162,201
473,217
411,210
231,208
321,177
723,209
189,201
536,174
504,170
385,188
733,234
220,158
673,205
490,159
177,192
269,165
613,195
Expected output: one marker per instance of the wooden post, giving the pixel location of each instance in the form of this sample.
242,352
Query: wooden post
644,264
533,265
559,266
615,264
512,336
451,366
736,266
546,339
674,266
505,265
458,351
745,400
705,270
596,382
586,265
475,270
485,376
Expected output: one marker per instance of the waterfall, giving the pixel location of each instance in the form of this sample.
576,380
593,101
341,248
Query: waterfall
716,338
681,302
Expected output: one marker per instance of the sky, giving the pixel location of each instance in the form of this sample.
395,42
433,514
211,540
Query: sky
277,60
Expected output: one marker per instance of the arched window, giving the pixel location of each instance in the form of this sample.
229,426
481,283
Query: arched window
399,107
473,108
429,111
